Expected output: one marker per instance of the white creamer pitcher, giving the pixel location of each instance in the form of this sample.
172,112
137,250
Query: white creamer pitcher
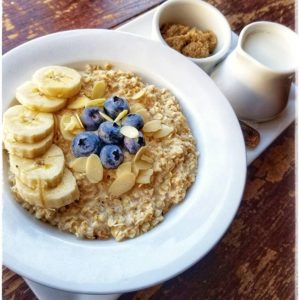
256,76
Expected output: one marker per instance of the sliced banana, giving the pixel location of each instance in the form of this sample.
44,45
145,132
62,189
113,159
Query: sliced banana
57,81
49,168
29,95
78,102
28,150
63,194
27,126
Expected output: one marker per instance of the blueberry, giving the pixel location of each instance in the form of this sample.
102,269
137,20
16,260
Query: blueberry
134,120
114,105
91,118
86,143
133,145
111,156
110,133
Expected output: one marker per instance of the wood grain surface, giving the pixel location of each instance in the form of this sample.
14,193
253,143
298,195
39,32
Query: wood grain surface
256,257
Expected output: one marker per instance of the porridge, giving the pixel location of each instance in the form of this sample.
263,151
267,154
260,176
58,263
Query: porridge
108,162
189,41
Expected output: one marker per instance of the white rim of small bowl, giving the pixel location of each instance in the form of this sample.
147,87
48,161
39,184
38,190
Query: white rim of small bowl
77,265
210,59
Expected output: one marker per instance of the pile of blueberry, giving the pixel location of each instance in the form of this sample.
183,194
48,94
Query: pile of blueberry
103,137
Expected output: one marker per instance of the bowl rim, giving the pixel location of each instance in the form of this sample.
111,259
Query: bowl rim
234,188
210,59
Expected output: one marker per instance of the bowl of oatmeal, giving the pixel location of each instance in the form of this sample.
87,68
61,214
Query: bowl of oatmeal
194,28
70,197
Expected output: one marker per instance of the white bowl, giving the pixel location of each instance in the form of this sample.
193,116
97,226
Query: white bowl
198,14
57,259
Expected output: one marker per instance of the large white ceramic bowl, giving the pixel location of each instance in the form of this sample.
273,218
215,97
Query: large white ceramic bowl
59,260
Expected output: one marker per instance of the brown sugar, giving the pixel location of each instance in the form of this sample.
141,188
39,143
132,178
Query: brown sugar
189,41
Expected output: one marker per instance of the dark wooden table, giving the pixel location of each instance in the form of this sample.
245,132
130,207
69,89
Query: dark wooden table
256,257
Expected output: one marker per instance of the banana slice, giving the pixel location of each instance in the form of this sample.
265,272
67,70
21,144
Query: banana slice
29,95
63,194
27,126
28,150
57,81
48,167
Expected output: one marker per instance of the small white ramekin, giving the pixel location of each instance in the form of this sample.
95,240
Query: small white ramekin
198,14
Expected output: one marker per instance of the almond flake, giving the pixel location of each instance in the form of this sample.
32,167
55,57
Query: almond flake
79,121
122,184
143,165
71,125
144,114
144,176
136,106
64,120
143,179
78,164
138,95
79,102
98,89
96,102
152,126
106,117
139,154
135,169
129,131
121,115
94,169
147,159
163,132
124,168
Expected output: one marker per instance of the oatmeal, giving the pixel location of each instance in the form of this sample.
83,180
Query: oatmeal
189,41
108,201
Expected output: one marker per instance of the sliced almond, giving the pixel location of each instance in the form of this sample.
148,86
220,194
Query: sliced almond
78,102
147,159
144,176
138,155
78,164
152,126
124,168
96,102
79,121
163,132
72,124
94,169
143,165
121,115
136,106
129,131
106,117
98,89
135,170
64,120
144,114
138,95
122,184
